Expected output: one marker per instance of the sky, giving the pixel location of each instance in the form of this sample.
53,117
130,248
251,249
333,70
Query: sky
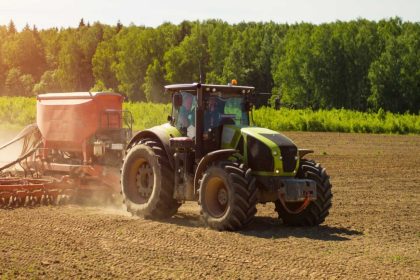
67,13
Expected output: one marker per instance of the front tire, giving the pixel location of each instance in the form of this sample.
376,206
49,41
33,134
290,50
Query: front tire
316,212
147,182
228,196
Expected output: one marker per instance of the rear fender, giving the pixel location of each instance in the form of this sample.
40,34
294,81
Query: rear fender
158,134
207,160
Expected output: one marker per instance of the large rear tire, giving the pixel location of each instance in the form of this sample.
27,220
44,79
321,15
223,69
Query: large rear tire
316,212
228,196
147,181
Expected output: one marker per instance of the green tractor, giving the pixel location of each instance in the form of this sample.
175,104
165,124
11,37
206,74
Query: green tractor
208,152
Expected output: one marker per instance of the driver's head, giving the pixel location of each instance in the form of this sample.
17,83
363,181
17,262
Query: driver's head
187,101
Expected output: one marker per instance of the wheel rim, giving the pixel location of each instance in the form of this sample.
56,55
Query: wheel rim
140,183
216,197
145,180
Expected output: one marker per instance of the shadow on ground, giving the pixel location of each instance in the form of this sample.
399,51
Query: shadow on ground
267,227
271,228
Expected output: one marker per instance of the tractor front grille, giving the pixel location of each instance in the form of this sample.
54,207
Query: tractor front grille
289,156
288,151
259,155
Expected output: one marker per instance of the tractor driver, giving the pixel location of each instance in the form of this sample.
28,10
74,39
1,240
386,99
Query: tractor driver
212,117
212,114
186,115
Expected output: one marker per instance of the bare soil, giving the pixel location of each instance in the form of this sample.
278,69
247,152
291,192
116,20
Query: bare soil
372,232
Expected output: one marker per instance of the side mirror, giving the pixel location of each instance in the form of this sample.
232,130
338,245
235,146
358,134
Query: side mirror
177,100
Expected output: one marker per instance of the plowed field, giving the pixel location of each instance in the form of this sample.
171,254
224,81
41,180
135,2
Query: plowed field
373,230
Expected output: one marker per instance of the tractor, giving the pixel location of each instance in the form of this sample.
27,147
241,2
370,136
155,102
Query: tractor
209,152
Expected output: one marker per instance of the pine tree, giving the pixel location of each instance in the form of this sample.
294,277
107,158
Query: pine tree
119,26
82,23
11,28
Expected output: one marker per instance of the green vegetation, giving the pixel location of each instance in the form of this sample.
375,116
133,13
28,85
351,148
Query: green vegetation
17,112
339,120
358,65
20,111
146,115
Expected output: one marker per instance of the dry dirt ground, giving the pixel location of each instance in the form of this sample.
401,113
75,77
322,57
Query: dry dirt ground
373,230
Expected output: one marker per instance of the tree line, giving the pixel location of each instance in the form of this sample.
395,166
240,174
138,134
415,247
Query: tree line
359,65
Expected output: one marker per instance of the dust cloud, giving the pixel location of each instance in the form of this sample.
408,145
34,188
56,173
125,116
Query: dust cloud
101,199
11,152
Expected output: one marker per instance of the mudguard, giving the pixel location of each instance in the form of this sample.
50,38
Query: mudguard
162,134
210,157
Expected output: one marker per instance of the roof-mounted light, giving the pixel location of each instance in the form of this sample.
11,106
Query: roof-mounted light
234,82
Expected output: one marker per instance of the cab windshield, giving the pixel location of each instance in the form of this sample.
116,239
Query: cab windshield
225,110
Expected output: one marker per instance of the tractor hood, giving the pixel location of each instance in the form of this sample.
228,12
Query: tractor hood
268,136
267,152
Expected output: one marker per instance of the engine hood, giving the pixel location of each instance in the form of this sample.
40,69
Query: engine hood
268,152
268,136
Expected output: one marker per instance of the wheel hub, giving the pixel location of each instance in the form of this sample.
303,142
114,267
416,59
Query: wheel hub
145,180
222,196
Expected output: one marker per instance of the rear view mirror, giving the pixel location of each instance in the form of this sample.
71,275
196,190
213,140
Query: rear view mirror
177,100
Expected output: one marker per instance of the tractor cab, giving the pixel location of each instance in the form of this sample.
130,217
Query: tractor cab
200,111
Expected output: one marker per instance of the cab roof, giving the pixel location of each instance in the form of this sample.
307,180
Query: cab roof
209,88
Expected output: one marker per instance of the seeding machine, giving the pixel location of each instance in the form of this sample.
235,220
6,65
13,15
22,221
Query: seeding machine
76,146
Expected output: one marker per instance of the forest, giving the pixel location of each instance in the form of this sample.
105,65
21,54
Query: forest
358,65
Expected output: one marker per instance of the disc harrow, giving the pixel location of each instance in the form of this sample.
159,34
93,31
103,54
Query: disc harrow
29,190
19,192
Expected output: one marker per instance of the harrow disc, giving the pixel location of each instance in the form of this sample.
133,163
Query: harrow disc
19,192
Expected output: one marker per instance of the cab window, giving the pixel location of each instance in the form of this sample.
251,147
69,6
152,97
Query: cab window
183,113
